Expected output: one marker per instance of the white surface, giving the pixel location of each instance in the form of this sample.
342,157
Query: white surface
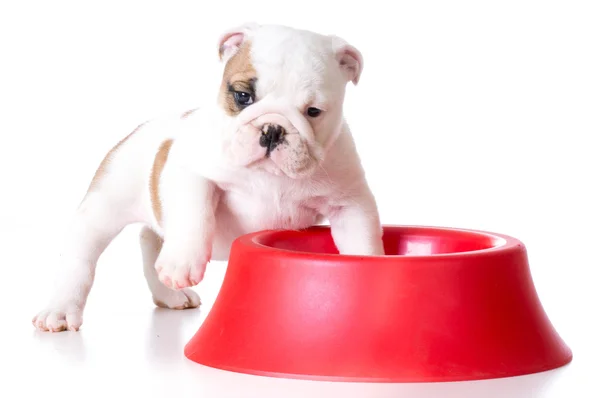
128,346
469,114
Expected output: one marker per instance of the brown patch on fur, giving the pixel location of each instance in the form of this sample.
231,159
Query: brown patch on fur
157,168
239,75
188,113
221,52
101,170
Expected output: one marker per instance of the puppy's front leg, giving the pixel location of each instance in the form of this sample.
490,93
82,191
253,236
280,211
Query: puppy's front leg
187,216
356,227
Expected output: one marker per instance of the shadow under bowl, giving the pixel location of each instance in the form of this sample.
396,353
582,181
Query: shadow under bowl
443,304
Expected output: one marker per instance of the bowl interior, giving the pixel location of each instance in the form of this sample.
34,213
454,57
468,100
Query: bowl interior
398,241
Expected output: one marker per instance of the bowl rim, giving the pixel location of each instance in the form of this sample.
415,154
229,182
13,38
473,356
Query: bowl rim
504,243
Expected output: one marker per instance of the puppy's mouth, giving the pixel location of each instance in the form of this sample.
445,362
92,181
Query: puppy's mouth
273,144
274,137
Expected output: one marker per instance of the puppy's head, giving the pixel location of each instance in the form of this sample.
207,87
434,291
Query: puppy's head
282,92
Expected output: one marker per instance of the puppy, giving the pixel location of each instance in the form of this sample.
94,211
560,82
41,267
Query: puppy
271,150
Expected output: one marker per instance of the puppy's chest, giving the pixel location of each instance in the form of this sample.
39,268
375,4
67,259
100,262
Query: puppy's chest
272,207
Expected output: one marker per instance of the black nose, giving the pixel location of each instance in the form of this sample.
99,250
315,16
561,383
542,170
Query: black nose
272,135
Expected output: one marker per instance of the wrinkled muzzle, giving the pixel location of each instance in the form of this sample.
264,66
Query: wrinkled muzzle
275,137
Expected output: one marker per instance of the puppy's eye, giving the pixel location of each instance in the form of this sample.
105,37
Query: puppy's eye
313,112
242,98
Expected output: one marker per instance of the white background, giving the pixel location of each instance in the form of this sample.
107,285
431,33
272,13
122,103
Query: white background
469,114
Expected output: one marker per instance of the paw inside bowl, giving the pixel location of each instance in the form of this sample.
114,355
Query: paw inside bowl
398,241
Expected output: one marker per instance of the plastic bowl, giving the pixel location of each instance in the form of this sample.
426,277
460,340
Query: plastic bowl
441,305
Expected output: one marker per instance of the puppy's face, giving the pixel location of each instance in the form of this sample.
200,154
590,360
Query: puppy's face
282,91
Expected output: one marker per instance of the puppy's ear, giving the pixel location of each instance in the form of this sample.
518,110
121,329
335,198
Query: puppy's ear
231,40
350,60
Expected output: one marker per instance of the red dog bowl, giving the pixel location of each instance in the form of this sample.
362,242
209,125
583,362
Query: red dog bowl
442,305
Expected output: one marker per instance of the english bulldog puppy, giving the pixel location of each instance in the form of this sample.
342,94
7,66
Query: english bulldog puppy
271,150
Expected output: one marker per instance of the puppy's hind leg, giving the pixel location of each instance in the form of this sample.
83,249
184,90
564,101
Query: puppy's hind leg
151,245
95,224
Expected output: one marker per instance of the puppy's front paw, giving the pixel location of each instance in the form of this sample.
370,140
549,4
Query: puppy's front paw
59,319
178,271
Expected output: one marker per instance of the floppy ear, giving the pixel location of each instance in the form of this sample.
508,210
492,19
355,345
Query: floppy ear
349,59
231,40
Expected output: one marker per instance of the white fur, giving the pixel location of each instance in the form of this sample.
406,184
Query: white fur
217,184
